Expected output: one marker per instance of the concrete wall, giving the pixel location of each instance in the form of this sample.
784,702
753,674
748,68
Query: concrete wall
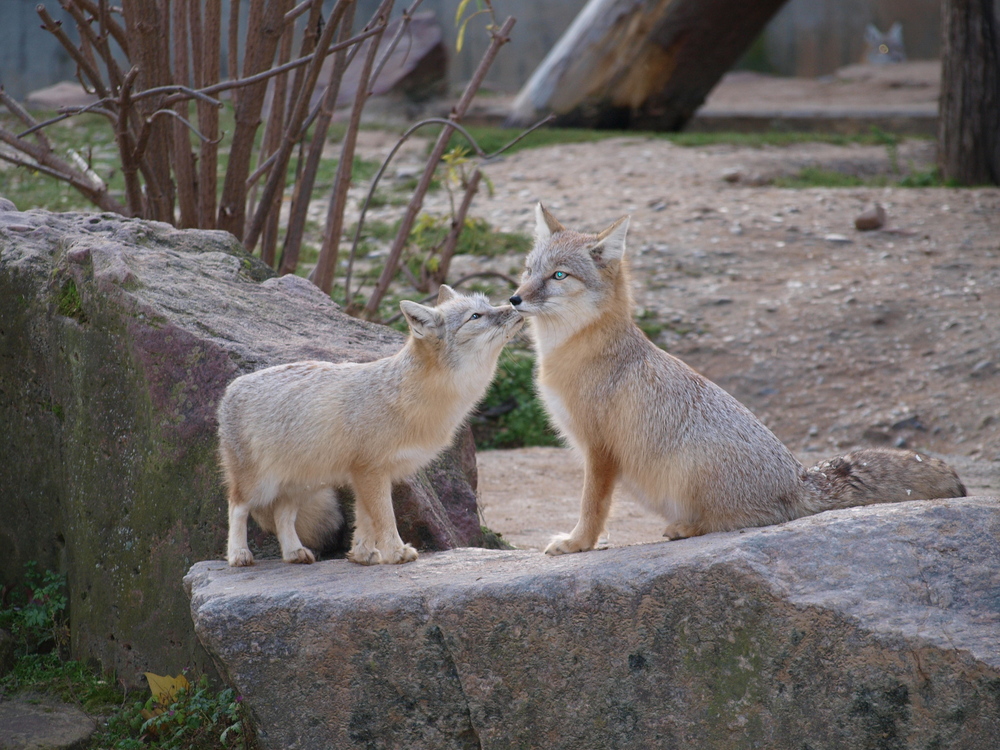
815,37
807,37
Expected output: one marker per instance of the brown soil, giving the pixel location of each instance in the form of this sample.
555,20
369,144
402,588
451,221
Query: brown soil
835,338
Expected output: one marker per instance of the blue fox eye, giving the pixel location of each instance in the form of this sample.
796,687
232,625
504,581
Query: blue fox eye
475,316
559,275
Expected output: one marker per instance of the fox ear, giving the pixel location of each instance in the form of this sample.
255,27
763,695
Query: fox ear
423,321
610,245
445,293
546,224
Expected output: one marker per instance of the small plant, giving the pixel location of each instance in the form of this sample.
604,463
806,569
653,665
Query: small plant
511,416
179,715
36,616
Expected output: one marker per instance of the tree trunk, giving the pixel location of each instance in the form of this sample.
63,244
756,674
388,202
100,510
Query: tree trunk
640,63
969,124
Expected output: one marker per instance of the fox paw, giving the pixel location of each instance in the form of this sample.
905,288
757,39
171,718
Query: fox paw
240,558
675,531
299,556
404,554
563,544
366,555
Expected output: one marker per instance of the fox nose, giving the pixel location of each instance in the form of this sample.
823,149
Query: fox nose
515,300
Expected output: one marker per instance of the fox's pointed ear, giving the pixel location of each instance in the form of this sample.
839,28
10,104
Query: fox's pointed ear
445,293
610,245
895,33
546,224
423,321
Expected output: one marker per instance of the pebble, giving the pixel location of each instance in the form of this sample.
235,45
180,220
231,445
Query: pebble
871,218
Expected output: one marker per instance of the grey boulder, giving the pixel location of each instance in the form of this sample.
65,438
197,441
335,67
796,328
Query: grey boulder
117,339
873,627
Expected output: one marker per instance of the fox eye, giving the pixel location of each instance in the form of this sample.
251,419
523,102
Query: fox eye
559,275
475,316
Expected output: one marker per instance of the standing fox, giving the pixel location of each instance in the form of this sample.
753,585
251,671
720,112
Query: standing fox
288,435
678,442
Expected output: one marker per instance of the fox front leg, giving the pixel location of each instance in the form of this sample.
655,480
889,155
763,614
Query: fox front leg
600,473
237,552
376,540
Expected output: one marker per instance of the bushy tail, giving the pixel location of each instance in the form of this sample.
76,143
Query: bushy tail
319,519
876,475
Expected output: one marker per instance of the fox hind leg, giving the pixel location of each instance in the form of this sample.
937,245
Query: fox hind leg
292,550
675,531
376,539
237,552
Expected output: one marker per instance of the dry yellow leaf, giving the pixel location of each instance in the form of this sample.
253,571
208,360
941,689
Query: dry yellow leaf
165,689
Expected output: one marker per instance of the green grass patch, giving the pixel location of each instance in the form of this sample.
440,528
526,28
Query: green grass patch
809,177
491,139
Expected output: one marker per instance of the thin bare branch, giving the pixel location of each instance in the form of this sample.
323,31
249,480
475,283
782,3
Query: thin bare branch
130,169
183,156
323,272
36,167
97,41
206,40
500,37
106,23
264,31
272,142
323,113
55,28
24,116
276,179
278,70
299,9
48,163
457,224
392,153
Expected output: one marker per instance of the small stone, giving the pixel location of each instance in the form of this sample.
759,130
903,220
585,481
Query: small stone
838,238
733,174
871,218
35,721
408,172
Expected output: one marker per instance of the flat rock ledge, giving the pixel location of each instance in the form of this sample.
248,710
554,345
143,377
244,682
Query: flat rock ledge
872,627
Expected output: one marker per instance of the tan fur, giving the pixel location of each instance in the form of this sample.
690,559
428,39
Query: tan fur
289,434
678,442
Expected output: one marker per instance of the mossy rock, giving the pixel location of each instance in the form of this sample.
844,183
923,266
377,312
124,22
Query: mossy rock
118,338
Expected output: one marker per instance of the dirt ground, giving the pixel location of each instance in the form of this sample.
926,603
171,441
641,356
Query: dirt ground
834,337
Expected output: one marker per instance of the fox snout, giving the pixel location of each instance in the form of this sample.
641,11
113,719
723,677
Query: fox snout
515,319
525,299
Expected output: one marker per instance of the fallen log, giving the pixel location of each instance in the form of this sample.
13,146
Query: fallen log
645,64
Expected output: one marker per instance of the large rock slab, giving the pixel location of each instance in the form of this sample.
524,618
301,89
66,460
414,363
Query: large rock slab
875,627
117,338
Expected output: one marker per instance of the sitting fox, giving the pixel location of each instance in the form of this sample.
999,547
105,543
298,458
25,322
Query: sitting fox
288,435
678,442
